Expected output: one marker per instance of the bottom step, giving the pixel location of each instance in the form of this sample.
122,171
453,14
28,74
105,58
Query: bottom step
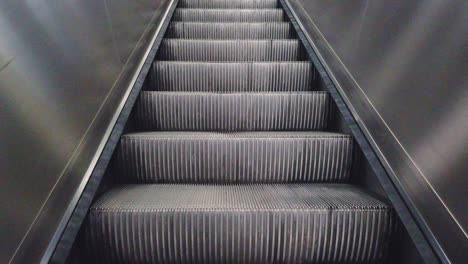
292,223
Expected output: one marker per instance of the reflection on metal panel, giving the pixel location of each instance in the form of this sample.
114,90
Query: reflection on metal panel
402,65
65,67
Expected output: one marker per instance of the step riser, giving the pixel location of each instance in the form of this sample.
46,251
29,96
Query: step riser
240,237
228,4
229,31
240,160
230,51
239,224
206,15
231,77
157,111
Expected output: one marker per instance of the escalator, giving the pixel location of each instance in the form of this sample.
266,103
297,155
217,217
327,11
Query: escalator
233,154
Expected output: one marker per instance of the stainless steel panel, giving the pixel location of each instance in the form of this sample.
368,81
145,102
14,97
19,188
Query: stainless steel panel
65,67
402,65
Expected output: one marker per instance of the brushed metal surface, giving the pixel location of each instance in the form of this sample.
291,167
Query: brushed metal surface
65,67
402,66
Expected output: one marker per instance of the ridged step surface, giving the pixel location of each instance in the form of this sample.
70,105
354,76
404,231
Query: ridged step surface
249,157
228,15
201,30
231,77
230,50
297,223
194,111
228,4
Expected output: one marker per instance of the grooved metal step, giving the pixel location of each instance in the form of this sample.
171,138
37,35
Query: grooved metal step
296,223
228,15
228,3
196,30
248,157
189,111
231,77
231,50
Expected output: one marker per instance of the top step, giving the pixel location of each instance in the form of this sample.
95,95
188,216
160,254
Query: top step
228,4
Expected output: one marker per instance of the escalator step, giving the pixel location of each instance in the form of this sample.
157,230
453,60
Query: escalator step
200,30
228,15
228,3
294,223
231,77
189,111
231,50
245,157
